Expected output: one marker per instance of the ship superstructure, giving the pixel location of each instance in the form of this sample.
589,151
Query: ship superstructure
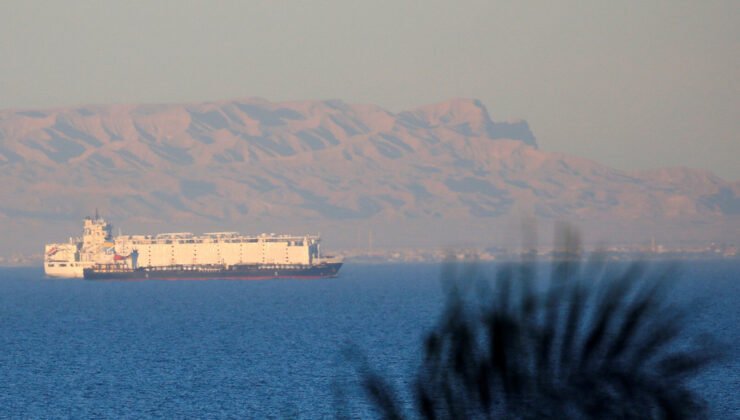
68,260
219,255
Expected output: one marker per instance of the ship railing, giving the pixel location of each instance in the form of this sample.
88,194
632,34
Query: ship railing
221,267
222,234
215,235
175,235
291,240
111,268
329,259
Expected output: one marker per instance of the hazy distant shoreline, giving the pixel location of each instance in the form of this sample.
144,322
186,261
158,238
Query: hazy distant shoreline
401,256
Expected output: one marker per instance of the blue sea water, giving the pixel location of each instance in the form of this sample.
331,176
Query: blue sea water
259,349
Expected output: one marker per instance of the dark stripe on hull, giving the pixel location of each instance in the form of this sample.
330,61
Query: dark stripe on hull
247,272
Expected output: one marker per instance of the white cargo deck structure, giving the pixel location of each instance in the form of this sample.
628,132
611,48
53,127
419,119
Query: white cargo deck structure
227,248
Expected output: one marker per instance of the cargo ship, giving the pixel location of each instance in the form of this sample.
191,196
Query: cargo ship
98,255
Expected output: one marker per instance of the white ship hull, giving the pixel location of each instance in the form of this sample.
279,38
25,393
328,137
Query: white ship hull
64,270
62,260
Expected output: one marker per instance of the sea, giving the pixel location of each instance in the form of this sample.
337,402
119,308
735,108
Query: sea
284,348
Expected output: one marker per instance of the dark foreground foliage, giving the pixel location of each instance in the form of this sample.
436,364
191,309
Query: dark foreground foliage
593,342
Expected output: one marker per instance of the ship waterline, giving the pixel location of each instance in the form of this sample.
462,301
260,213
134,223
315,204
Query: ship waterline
219,255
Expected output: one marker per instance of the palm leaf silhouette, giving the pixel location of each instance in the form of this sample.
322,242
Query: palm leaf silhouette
593,342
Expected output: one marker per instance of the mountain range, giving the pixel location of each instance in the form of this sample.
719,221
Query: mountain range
440,175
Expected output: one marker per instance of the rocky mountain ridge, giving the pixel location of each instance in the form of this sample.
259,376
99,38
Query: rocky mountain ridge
255,165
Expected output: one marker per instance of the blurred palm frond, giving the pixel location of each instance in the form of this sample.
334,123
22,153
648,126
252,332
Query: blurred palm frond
592,341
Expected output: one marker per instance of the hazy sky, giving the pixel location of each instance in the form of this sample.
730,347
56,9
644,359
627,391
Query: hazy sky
633,85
